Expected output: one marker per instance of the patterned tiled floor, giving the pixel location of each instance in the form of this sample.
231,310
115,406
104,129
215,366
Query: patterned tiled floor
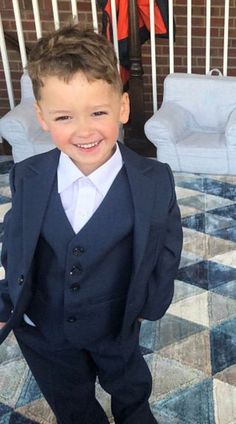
192,350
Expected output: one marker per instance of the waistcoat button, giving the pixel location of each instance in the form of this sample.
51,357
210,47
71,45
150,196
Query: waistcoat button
20,280
76,269
75,287
77,251
71,319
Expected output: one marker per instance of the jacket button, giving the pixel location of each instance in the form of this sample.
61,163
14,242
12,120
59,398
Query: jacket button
71,319
20,280
79,250
75,287
76,269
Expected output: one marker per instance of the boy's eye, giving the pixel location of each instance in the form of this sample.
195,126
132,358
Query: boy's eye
62,118
99,113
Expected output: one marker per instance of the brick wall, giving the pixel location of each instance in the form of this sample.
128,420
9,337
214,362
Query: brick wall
180,47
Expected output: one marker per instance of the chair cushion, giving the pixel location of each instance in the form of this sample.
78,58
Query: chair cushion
203,153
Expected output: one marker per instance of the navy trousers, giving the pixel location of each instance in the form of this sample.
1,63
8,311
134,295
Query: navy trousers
66,376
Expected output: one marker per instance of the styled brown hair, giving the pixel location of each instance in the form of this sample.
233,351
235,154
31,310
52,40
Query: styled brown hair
69,50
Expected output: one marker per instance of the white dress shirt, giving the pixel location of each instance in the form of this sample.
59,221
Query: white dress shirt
80,194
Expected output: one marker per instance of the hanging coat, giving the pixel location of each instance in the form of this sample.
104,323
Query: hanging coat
161,26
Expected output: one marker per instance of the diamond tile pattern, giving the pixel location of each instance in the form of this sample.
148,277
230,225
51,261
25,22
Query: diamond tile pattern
192,351
207,274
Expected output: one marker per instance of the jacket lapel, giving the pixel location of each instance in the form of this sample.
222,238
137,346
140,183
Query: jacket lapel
37,186
143,196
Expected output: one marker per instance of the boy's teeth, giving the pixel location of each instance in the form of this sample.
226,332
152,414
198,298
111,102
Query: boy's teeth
88,146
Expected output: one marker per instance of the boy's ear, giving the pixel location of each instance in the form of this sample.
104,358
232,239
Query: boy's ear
40,118
125,108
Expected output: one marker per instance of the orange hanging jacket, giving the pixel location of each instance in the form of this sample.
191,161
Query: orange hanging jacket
161,25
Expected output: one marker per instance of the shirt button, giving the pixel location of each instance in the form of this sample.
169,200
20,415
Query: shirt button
71,319
76,269
77,251
75,287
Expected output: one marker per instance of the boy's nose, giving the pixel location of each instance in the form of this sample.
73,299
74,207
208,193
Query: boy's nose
83,129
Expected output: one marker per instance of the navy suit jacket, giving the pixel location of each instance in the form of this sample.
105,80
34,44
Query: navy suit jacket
156,246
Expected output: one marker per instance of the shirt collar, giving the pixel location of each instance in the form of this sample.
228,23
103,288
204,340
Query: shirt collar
102,177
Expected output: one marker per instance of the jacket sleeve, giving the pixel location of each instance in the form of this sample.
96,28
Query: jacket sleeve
161,282
5,302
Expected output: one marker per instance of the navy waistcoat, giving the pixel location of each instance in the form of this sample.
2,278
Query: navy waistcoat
81,280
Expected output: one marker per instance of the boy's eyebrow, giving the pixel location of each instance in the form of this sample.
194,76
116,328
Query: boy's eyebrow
106,105
58,111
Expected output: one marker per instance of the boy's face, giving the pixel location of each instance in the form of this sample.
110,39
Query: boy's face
83,118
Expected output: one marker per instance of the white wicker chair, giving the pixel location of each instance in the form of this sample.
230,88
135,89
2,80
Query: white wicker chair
195,128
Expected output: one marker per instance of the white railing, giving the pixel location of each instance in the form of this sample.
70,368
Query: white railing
189,36
74,12
226,37
37,20
6,67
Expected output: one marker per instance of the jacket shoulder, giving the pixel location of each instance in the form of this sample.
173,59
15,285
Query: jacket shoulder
143,163
34,160
20,169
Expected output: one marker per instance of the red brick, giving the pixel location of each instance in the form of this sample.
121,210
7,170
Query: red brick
7,5
217,22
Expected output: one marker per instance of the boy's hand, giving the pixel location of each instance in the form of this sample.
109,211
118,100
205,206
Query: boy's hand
2,324
140,319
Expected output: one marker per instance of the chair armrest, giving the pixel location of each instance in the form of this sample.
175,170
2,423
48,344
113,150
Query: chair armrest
230,130
20,118
21,129
170,124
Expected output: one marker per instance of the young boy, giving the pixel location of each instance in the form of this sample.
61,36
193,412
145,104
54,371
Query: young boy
92,242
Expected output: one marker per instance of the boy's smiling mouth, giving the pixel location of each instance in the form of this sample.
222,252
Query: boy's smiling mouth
87,146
